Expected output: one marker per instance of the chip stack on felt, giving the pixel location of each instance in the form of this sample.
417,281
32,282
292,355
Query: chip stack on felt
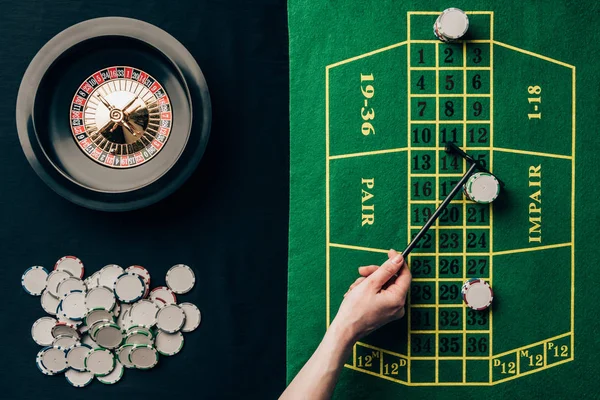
110,321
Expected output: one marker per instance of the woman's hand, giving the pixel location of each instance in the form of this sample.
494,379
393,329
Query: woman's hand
374,299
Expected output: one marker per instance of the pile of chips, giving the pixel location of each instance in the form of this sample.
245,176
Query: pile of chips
109,321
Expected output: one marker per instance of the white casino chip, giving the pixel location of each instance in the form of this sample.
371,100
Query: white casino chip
143,273
170,318
180,279
96,314
41,331
54,279
76,356
100,297
49,302
108,336
40,365
123,355
144,312
70,284
452,24
143,356
95,325
34,280
71,264
54,359
163,293
73,305
108,275
65,329
129,288
100,362
139,337
115,376
79,378
64,341
192,317
168,344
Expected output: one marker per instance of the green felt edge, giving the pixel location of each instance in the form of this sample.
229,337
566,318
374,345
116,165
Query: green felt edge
297,352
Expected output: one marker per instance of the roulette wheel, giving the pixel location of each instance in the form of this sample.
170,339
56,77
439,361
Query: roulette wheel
113,114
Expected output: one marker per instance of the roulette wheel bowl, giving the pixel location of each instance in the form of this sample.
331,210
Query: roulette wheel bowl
115,48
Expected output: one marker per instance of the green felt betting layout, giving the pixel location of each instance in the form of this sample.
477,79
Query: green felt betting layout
368,138
388,171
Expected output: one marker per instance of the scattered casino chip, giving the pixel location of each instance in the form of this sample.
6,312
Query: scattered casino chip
100,297
54,279
451,25
123,355
54,359
49,302
143,356
108,275
170,318
102,328
168,344
143,273
477,294
72,305
70,284
163,293
71,264
41,331
108,336
192,317
96,314
99,361
64,328
180,279
144,312
129,287
76,356
65,341
34,280
115,376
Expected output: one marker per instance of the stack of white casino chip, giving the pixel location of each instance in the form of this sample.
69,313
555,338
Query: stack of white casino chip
451,25
482,187
110,321
477,294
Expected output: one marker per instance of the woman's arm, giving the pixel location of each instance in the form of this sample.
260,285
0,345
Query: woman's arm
373,300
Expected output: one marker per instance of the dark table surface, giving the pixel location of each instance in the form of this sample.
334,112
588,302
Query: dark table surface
229,221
